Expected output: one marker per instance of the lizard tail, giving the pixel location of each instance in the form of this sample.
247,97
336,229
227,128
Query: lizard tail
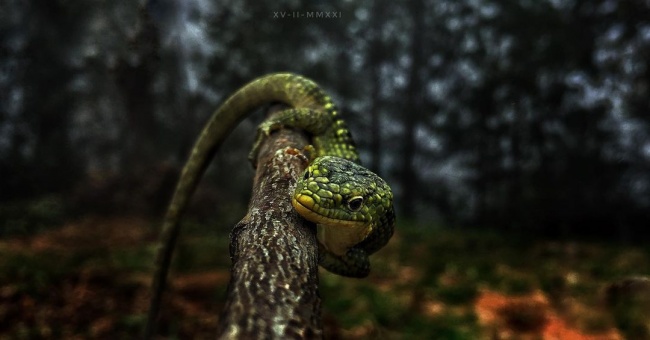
286,88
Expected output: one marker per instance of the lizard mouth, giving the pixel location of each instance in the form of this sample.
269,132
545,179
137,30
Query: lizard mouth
337,235
304,206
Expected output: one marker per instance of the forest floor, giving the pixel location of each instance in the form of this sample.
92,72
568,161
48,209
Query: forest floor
90,278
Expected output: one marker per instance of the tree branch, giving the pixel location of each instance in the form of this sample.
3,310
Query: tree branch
273,290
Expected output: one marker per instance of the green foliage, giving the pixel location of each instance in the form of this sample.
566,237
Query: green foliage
451,326
213,245
458,293
133,323
31,216
33,273
422,286
629,300
132,260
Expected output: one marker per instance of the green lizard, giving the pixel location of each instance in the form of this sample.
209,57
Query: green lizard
351,205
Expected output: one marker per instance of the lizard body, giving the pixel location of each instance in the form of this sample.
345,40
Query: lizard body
351,205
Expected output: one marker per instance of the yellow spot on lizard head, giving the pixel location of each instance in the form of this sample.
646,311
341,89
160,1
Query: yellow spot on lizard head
340,196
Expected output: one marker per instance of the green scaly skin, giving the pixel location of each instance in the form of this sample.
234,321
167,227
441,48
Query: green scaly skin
353,208
351,205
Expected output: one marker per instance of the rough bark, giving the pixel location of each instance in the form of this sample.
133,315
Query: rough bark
273,291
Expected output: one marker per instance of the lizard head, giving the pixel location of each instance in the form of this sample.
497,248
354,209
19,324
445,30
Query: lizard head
345,199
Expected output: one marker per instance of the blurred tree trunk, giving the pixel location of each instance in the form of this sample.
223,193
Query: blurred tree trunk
134,76
375,59
46,161
408,174
515,193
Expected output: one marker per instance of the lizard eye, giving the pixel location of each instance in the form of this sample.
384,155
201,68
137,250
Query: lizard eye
307,174
355,203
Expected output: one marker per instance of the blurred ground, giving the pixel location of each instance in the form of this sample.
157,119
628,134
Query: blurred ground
90,278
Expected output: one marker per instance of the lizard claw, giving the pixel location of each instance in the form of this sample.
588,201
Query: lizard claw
267,127
310,150
263,130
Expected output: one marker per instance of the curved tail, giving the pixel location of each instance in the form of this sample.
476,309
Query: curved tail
287,88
